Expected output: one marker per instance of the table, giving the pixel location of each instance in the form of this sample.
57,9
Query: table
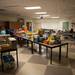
27,42
47,46
8,50
51,47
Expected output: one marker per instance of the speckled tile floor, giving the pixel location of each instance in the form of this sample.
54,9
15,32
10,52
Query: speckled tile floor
35,64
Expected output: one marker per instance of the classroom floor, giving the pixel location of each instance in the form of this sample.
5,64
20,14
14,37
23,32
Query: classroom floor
35,64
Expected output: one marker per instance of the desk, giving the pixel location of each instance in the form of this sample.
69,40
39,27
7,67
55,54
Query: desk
51,47
54,46
8,50
27,42
47,46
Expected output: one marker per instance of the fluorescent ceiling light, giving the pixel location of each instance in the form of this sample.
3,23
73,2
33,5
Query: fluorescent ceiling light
55,17
31,8
41,13
45,15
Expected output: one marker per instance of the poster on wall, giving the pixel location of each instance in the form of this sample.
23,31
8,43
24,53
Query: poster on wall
21,22
29,26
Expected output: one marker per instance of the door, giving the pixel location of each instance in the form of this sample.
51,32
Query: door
66,26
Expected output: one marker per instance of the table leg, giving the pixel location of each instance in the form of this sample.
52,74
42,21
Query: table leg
40,49
17,57
67,51
59,54
47,52
27,43
9,52
32,48
2,66
51,56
